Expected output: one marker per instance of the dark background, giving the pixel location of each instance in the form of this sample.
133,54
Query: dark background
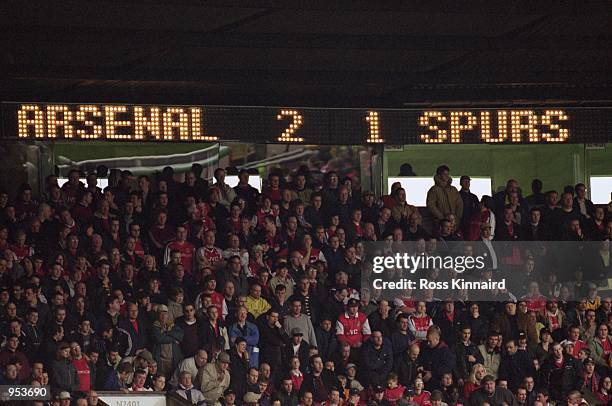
344,53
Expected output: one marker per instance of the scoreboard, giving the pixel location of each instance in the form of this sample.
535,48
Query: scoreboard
197,123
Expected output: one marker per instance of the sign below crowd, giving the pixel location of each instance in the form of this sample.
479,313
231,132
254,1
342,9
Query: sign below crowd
133,399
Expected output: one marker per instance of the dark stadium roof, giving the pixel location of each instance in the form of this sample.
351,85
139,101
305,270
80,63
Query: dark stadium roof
386,53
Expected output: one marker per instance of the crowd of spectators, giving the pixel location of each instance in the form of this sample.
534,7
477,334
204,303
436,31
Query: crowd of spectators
231,296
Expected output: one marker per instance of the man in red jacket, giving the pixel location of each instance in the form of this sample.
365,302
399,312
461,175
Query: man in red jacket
81,366
353,327
186,249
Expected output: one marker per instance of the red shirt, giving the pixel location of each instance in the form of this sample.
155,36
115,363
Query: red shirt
21,252
186,249
468,388
395,394
297,381
358,229
353,329
138,249
83,373
535,303
420,324
314,254
217,299
553,322
213,255
607,347
578,345
422,399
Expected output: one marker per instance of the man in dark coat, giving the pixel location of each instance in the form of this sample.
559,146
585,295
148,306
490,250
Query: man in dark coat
471,205
272,341
492,395
298,347
560,373
436,358
515,364
326,338
377,358
287,393
406,365
381,319
136,327
63,374
239,366
319,381
466,354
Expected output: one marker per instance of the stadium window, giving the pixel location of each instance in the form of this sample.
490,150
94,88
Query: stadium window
102,182
417,186
254,180
601,189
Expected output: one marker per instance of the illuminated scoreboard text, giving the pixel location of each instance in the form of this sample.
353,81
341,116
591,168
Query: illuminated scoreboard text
81,122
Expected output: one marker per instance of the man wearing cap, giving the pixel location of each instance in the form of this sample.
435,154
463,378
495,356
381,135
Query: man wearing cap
488,393
590,379
229,398
64,398
353,398
166,340
250,399
297,319
298,346
352,326
214,378
378,396
351,377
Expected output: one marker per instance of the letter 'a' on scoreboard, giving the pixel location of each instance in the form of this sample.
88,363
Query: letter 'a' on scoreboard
317,126
111,122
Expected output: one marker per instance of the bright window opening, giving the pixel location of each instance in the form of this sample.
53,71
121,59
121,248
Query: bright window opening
254,180
102,183
417,187
601,187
